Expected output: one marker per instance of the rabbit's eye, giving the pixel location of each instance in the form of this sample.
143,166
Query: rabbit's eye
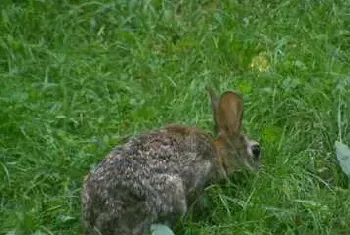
256,150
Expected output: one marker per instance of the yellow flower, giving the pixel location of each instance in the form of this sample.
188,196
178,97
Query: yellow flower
260,62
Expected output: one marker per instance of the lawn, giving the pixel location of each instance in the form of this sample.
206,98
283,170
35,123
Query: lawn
79,77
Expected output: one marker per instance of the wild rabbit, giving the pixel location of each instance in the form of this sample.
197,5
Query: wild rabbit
155,176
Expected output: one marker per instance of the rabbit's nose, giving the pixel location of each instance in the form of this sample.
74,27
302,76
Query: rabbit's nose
256,150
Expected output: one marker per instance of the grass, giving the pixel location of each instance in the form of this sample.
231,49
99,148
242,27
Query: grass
77,77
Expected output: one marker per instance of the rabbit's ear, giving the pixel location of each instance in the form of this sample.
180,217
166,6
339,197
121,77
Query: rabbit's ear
229,113
214,104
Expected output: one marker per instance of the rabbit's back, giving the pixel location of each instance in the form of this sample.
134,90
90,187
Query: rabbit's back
149,179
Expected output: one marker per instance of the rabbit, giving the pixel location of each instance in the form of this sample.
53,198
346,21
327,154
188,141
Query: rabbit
155,176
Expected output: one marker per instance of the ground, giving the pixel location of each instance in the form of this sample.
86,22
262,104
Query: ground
78,77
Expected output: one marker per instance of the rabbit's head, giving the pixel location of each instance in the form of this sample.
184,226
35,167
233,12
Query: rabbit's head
235,150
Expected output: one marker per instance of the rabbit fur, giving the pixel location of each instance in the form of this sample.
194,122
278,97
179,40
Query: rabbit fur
155,176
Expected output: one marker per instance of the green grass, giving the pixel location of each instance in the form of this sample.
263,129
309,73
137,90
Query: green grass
77,77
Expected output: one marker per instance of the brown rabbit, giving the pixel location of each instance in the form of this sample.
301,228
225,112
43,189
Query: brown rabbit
155,176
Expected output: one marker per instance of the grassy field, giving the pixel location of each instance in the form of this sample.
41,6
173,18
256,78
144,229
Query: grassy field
78,77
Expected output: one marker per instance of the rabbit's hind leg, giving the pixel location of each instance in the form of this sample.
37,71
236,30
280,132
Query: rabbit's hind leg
132,221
